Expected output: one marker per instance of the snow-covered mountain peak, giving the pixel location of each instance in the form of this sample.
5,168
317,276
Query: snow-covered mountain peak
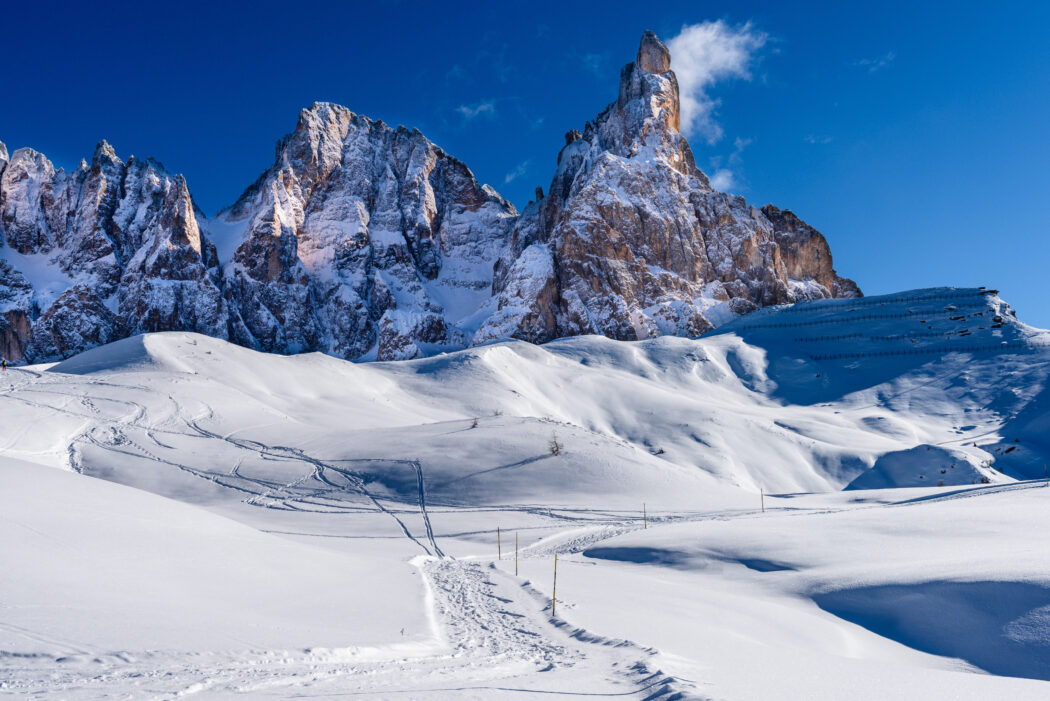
631,241
368,241
362,240
646,118
104,155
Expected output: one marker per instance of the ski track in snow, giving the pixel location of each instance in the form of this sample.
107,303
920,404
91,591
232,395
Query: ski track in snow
494,634
492,631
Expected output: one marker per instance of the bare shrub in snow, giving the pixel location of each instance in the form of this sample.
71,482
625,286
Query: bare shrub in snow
554,446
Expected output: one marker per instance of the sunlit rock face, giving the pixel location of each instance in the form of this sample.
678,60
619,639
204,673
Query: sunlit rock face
362,240
635,243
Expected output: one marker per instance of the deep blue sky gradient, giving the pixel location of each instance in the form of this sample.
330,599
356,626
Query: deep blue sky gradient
931,169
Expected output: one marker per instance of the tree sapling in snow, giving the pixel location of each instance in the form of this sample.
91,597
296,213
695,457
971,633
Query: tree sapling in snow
554,446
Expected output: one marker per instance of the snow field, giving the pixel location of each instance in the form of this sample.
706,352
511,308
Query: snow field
281,526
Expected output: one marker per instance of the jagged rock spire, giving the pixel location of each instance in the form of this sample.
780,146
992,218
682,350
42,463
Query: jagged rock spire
653,56
631,241
103,152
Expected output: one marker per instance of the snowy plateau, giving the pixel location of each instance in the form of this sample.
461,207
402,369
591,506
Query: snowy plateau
372,433
832,499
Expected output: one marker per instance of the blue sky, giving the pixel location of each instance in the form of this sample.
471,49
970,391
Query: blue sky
913,135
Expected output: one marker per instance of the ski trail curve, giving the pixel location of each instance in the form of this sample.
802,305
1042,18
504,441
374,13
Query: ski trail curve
423,508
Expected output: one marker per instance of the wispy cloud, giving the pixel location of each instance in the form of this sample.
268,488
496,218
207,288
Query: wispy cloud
520,170
738,148
723,180
594,63
495,59
877,63
819,139
469,112
701,56
455,73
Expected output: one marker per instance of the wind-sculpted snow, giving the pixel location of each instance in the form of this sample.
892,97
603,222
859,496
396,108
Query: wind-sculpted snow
369,242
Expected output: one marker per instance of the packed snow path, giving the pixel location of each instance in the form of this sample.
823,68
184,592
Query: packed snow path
492,634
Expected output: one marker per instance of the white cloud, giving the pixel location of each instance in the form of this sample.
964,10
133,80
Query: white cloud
722,180
725,179
704,54
469,112
819,139
738,148
874,64
521,169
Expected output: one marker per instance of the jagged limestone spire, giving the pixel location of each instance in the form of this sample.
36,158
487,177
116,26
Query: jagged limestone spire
103,151
653,56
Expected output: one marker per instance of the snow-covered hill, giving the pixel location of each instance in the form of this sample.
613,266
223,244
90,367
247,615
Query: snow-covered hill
826,387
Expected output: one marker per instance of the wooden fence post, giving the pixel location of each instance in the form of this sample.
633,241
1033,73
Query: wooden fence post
554,594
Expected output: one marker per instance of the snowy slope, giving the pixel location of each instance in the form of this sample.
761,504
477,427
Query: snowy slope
354,508
929,588
72,593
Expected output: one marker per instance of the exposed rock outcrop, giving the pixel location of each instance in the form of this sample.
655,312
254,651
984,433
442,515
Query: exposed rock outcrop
362,240
106,236
639,242
77,321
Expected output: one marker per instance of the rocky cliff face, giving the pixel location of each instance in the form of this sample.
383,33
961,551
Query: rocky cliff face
363,241
91,255
631,241
369,242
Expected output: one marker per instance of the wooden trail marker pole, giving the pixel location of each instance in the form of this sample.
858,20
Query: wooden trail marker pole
554,594
645,517
762,496
515,553
499,545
